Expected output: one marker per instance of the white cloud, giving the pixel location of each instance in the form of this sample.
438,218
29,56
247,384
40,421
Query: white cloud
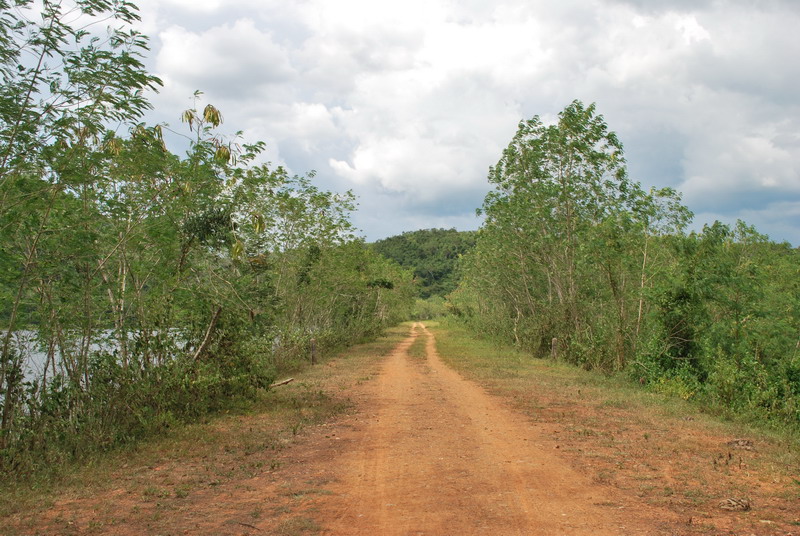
195,5
413,101
691,30
236,58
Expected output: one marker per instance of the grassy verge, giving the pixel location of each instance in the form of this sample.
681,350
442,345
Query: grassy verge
660,449
241,442
417,350
498,364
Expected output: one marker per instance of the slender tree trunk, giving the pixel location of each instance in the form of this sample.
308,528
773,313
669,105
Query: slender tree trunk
641,296
209,331
5,355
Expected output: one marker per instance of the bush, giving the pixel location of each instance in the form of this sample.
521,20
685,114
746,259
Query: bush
430,308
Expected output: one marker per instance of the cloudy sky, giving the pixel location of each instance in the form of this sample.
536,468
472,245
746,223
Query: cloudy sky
409,103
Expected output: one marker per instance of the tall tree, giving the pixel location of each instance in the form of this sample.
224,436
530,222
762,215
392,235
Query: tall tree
65,83
577,261
568,231
158,286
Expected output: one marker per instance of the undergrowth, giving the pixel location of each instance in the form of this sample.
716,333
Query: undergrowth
493,361
264,421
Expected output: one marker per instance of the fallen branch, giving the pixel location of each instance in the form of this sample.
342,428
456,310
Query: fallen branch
284,382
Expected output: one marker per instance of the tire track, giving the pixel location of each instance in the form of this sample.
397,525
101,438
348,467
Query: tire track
434,454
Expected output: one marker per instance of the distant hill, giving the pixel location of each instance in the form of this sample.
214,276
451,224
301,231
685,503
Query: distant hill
431,254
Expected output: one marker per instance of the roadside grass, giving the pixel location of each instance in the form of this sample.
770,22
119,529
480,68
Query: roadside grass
487,360
296,526
664,450
162,473
417,349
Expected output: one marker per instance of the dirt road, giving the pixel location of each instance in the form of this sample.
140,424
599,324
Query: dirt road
422,451
436,455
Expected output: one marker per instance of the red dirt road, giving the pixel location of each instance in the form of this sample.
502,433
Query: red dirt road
426,452
436,455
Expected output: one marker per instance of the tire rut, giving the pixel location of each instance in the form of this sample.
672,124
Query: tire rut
434,454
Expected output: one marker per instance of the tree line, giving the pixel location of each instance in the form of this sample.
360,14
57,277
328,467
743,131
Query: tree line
157,286
577,261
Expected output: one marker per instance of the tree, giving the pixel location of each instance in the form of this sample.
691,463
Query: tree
63,88
568,233
158,286
576,260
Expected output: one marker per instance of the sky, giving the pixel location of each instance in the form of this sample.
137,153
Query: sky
409,103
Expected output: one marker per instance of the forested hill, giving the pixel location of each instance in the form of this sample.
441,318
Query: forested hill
432,254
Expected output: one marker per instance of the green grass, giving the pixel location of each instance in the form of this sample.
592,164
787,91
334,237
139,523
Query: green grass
296,526
417,350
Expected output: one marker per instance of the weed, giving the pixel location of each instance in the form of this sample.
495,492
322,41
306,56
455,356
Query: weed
604,477
301,494
282,509
618,404
150,491
296,526
696,495
646,488
417,350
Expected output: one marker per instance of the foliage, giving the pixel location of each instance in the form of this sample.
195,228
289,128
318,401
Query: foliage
576,261
432,254
158,287
433,307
